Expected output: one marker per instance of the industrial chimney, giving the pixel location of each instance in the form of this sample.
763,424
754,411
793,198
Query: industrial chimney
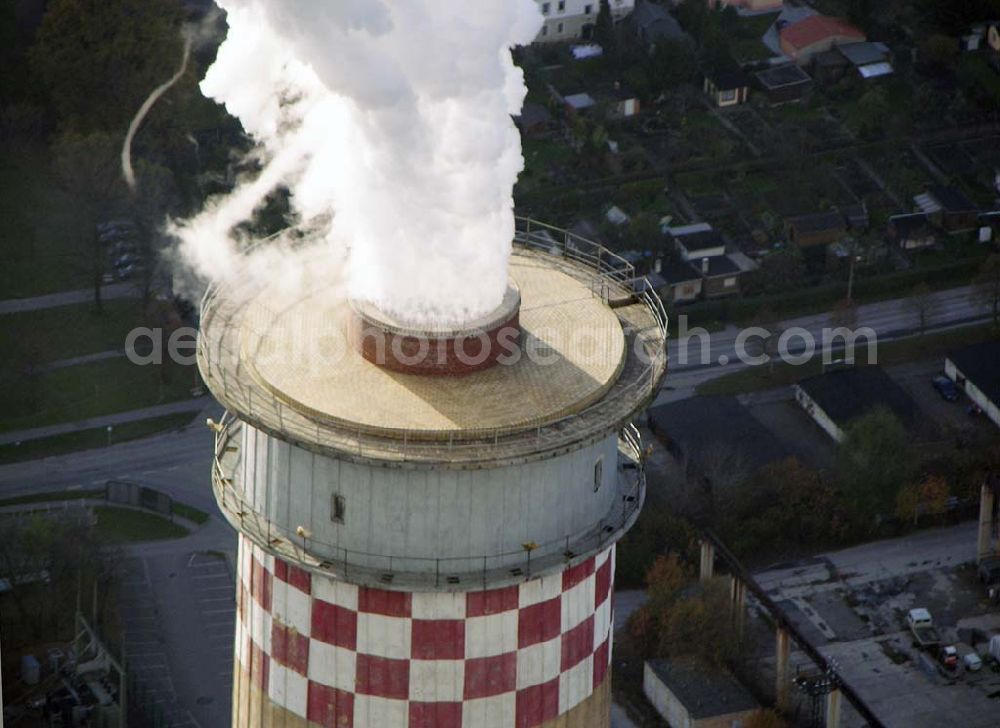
427,528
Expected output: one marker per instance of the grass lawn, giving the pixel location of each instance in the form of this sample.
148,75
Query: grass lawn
190,512
68,331
90,390
121,525
753,379
88,440
41,239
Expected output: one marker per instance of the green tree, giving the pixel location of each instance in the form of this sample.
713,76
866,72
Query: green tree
986,286
922,305
868,117
604,31
872,461
766,718
699,626
928,496
88,168
671,64
96,60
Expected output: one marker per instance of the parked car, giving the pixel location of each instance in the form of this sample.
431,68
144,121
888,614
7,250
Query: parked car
921,624
948,657
945,387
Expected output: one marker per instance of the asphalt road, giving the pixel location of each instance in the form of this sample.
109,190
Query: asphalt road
178,596
692,363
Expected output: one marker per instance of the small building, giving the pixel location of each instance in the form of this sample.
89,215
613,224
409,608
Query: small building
976,370
579,103
689,695
721,276
869,60
912,231
784,83
836,398
535,120
803,39
727,87
683,282
651,23
623,103
829,67
949,208
818,229
856,215
697,241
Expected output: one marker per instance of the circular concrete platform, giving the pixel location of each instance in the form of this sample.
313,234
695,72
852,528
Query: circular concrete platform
570,353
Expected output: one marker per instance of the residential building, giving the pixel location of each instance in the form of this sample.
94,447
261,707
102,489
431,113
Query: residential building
815,34
697,241
869,60
784,83
721,276
913,231
837,398
856,215
727,87
683,282
651,24
976,370
949,208
535,120
689,695
567,20
818,229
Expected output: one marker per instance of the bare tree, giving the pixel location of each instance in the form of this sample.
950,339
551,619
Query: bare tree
986,286
922,305
844,314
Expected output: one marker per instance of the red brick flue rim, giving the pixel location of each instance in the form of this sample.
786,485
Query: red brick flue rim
474,347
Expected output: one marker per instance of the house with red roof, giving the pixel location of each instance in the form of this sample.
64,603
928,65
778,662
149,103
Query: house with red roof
814,34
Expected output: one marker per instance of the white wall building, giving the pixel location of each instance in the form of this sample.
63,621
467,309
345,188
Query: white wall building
567,20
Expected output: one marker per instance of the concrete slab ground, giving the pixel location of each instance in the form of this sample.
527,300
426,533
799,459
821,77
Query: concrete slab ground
852,605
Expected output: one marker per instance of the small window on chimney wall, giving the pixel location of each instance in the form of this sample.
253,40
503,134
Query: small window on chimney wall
338,510
598,474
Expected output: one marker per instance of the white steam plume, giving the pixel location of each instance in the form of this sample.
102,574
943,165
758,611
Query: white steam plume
389,122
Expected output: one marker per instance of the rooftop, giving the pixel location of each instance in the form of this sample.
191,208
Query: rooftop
656,22
952,199
279,360
678,271
911,224
818,222
852,392
781,76
703,428
705,693
864,52
721,265
815,29
728,78
980,364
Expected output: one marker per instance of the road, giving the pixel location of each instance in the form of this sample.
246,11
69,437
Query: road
67,298
693,363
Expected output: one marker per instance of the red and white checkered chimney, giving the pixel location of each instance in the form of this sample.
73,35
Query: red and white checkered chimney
428,524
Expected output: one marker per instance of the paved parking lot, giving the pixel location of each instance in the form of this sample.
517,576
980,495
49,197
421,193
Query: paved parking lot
179,612
145,647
